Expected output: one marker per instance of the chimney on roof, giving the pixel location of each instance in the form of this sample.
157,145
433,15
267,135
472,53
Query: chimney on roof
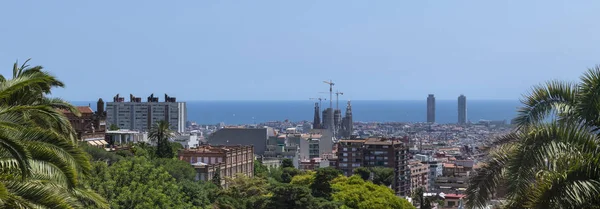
100,106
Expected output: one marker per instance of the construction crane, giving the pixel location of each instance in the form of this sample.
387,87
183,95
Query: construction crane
320,100
337,99
331,84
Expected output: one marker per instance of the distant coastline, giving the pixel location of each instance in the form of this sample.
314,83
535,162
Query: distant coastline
256,111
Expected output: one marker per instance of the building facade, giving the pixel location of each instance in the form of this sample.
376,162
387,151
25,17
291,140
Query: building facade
257,137
376,152
228,160
419,175
462,109
431,108
90,125
141,116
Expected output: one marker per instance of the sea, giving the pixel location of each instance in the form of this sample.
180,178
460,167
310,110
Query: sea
250,112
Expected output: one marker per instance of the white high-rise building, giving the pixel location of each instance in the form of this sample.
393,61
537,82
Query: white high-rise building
141,116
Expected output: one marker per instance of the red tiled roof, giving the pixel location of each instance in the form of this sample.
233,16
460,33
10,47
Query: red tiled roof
81,109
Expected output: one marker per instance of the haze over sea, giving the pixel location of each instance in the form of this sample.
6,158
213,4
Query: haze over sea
248,112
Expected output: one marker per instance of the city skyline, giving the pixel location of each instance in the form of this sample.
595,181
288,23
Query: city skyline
267,50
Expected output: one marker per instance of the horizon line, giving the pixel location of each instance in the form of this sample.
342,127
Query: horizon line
287,100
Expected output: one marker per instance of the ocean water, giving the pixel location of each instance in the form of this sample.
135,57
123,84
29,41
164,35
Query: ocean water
247,112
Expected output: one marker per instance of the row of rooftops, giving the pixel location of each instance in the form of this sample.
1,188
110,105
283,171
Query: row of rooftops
215,149
374,141
81,109
151,98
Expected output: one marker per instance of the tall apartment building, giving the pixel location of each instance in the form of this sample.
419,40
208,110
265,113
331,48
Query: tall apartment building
462,109
141,116
431,108
419,175
229,160
376,152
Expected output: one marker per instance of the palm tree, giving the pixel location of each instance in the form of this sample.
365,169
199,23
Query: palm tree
551,158
40,163
160,134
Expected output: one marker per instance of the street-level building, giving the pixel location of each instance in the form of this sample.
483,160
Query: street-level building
228,160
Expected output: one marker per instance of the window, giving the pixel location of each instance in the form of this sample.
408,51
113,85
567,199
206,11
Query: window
385,146
343,165
345,154
345,149
345,159
353,149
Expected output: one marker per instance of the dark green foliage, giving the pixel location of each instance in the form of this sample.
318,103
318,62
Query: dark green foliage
137,183
98,154
113,127
288,173
275,173
143,149
321,187
291,197
124,153
180,170
287,163
200,194
383,176
176,146
260,170
363,172
216,179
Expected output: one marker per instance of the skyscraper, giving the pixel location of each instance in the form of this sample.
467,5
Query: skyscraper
347,126
317,117
431,108
462,109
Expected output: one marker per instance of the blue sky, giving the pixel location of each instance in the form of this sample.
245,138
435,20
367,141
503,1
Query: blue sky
283,50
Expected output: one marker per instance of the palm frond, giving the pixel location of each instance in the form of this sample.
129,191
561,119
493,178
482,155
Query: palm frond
17,150
90,198
552,97
588,107
44,194
484,183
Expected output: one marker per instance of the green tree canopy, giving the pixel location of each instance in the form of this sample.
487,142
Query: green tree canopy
363,172
216,179
383,176
137,183
304,179
291,196
321,186
287,163
354,192
113,127
198,193
260,170
178,169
